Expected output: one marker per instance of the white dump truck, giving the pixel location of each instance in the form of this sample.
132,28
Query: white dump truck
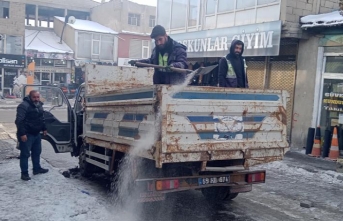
203,138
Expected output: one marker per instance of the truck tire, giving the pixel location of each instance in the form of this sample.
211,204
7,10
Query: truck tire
231,196
218,194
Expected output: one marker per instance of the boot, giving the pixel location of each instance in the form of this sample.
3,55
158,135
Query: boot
25,176
40,170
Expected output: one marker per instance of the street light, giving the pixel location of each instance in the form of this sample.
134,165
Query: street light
68,19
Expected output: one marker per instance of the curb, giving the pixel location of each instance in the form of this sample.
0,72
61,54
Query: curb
319,163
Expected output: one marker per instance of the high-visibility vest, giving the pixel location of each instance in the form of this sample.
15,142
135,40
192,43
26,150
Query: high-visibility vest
163,60
231,72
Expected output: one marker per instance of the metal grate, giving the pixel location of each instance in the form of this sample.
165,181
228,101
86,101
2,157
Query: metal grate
256,74
282,77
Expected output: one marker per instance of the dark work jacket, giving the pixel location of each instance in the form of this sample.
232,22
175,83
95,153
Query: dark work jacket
239,69
30,119
177,58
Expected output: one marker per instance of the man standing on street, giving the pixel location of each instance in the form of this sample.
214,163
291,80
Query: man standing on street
30,122
232,68
167,53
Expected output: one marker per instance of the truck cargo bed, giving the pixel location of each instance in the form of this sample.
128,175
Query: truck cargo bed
196,124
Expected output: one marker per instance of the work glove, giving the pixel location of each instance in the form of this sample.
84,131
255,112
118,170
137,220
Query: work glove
132,62
168,68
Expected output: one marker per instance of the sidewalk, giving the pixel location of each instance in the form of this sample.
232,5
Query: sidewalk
10,103
319,163
13,104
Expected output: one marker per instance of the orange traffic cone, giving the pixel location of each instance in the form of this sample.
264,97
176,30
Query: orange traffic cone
334,151
316,146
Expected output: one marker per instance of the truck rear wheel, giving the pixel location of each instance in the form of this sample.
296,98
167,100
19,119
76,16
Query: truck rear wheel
218,194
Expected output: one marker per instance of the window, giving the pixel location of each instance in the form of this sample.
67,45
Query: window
139,49
193,13
38,62
245,4
134,19
46,78
334,65
331,106
226,5
45,15
263,2
107,47
179,13
152,22
2,40
96,46
145,49
60,63
60,78
13,44
164,13
9,76
47,62
84,45
4,9
36,80
211,7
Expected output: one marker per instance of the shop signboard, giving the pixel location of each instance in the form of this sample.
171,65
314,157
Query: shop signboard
12,61
260,40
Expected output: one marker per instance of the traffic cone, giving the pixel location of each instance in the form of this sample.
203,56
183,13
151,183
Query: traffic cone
316,146
334,151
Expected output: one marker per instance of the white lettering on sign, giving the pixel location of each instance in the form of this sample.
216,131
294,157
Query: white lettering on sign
266,39
256,40
8,61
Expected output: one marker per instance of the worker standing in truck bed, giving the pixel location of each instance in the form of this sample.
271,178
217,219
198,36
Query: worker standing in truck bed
167,53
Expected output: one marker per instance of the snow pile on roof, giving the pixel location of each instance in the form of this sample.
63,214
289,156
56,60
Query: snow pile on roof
321,20
45,41
85,25
135,33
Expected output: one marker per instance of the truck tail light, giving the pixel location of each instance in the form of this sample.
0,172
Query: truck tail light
166,185
256,177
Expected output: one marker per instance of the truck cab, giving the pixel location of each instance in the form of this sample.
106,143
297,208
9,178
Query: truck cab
63,120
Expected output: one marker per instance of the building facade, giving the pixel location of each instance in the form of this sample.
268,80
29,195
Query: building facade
12,32
125,16
90,41
270,30
325,42
18,15
133,21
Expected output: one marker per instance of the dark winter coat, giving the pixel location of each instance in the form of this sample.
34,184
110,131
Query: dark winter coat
223,68
177,58
30,119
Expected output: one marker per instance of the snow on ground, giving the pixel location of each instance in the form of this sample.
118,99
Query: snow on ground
46,197
329,177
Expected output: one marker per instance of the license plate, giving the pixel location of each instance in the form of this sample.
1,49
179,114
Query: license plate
213,180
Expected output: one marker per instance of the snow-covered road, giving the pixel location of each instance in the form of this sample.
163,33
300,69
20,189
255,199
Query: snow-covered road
52,197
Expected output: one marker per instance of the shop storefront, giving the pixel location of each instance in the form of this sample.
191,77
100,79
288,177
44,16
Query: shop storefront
51,68
328,106
10,67
331,88
271,60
